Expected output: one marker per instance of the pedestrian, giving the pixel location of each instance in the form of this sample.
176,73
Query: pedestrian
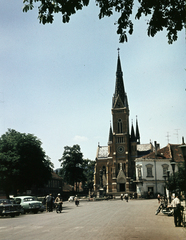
47,202
176,204
58,202
126,196
50,203
76,200
159,198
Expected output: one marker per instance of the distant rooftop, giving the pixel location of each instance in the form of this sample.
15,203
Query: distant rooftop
144,147
171,151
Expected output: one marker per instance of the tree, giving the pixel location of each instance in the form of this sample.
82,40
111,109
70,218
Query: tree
177,182
23,163
72,165
162,14
88,166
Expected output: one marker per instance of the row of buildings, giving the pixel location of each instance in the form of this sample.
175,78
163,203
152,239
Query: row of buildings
126,165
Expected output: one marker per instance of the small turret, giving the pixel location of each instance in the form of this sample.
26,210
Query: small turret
133,138
137,132
110,136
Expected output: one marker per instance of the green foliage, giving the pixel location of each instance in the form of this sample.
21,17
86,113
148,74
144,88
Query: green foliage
23,163
88,167
72,165
162,14
178,181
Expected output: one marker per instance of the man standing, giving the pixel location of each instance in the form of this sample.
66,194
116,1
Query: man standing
177,211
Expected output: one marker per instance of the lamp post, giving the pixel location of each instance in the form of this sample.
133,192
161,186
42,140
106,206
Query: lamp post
165,176
173,170
168,172
183,148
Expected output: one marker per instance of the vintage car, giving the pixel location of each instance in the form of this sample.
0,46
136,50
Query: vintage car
29,204
9,208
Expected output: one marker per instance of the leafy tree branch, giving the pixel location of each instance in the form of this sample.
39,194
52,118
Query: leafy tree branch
162,14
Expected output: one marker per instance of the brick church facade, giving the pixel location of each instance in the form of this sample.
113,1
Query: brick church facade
115,166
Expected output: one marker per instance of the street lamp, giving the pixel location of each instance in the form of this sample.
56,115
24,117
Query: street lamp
168,172
183,148
173,169
173,166
165,176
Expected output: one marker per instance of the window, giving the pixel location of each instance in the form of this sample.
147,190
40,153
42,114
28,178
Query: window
149,170
139,173
165,168
120,140
120,130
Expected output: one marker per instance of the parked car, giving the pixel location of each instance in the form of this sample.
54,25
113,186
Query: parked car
71,199
29,204
9,208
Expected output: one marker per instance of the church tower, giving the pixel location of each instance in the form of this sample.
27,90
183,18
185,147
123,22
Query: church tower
115,164
120,119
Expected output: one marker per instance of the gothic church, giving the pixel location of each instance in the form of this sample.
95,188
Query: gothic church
115,166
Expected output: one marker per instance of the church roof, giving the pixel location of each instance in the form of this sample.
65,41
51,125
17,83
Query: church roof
102,152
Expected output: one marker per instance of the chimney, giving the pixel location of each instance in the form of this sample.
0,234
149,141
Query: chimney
155,145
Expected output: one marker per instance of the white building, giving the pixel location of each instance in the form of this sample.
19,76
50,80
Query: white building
151,169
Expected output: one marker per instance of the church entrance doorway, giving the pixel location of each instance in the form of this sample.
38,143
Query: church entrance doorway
122,187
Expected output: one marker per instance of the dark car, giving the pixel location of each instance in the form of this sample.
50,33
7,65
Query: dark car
9,208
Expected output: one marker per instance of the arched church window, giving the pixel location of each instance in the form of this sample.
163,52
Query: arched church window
120,130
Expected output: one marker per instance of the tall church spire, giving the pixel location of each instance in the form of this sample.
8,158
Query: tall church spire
119,96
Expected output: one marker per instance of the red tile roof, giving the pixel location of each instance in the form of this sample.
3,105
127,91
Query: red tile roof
171,151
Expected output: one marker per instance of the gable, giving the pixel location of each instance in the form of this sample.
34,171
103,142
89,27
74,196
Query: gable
118,103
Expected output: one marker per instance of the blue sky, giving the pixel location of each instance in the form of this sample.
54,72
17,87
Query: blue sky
57,80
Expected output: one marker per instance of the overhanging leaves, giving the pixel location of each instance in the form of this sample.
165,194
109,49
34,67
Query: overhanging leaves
162,14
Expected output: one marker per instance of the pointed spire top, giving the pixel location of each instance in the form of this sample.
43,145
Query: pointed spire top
118,51
137,131
119,70
110,135
133,138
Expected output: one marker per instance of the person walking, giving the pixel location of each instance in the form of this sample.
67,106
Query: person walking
159,198
176,204
76,200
